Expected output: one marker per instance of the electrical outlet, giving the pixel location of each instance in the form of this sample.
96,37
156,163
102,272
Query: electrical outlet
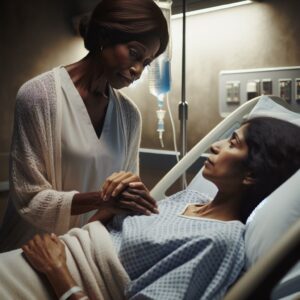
266,86
285,89
233,92
253,88
297,90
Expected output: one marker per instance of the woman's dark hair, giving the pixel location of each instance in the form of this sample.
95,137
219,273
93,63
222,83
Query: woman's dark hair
273,156
121,21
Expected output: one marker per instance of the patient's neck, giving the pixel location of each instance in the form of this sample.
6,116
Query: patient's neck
224,207
227,206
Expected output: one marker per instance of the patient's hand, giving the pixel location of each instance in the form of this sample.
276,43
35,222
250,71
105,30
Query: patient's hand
135,199
45,253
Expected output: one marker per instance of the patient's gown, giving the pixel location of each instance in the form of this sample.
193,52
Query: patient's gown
171,256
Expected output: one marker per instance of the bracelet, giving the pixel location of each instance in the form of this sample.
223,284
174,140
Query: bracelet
84,298
71,291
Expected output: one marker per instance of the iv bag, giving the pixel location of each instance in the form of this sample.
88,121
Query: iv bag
159,76
159,71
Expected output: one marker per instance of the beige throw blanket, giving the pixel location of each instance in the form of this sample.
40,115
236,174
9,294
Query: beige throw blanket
91,258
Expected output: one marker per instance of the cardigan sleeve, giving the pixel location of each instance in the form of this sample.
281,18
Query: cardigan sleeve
32,163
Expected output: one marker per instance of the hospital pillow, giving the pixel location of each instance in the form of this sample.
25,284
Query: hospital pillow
266,107
272,218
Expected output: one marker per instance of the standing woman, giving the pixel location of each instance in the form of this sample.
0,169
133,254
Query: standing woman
73,128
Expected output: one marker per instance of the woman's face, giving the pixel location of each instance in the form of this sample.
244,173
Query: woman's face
124,63
225,166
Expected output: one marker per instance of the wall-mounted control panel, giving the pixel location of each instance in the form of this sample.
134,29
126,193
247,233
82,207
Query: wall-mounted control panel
239,86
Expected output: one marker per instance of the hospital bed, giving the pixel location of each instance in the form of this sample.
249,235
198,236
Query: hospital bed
272,239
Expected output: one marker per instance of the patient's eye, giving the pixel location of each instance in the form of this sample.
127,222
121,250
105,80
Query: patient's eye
232,141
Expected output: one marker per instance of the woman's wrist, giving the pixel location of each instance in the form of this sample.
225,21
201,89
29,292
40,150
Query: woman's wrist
85,202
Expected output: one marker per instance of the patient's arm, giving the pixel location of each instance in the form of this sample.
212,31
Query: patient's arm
47,255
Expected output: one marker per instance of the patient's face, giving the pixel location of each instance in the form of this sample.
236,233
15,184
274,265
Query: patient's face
225,166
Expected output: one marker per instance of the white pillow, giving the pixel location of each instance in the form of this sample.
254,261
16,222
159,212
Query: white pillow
272,219
265,107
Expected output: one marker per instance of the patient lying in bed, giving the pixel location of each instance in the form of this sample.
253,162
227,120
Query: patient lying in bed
192,249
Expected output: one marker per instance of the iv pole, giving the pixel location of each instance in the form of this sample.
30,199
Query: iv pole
183,105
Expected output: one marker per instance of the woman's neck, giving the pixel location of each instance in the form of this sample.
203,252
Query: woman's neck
88,76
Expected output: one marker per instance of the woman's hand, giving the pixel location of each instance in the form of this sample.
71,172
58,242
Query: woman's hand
112,187
117,183
135,199
45,253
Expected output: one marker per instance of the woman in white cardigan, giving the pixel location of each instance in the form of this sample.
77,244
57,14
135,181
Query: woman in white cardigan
73,128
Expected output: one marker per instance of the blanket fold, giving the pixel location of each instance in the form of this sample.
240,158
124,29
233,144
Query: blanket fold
91,258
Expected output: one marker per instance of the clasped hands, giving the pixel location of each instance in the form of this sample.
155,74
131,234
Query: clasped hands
124,192
121,192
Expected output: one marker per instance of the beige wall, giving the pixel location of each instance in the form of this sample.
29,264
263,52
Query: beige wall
36,36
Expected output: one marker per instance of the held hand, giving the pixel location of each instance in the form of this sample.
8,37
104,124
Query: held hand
135,199
45,253
117,183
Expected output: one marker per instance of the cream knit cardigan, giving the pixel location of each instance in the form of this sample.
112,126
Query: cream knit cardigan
35,160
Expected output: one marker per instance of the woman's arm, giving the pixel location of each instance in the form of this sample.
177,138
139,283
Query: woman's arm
47,255
112,199
111,188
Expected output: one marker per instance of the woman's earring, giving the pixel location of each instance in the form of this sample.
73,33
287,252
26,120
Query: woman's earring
101,48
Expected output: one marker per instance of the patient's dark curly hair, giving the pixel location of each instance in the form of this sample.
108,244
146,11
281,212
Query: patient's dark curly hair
121,21
273,156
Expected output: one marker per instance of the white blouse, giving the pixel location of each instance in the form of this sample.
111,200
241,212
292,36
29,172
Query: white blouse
86,159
